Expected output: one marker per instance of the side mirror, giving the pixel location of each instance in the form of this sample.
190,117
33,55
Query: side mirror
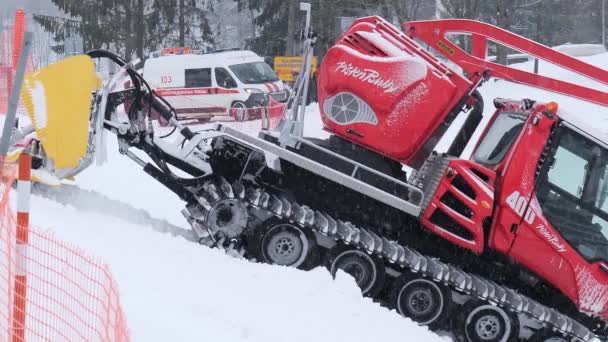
228,83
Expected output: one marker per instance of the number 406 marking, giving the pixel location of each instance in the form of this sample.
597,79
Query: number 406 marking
519,203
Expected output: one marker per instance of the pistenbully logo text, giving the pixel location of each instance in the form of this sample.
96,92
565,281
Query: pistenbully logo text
554,240
367,75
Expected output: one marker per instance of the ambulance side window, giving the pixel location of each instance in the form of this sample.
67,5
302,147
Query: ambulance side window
198,78
223,78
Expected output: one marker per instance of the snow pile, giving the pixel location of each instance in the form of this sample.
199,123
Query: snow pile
580,112
175,290
588,116
580,50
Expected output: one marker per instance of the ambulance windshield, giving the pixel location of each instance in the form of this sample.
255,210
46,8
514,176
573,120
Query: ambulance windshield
252,73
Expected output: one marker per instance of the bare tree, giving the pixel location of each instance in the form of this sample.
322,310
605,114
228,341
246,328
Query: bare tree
604,41
466,9
401,10
182,25
292,27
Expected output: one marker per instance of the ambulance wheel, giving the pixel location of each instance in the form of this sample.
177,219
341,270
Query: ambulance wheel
239,110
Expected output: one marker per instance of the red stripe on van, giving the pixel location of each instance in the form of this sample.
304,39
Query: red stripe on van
227,91
269,87
200,110
194,91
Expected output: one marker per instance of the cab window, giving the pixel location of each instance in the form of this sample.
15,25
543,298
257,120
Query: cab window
223,78
198,78
499,138
572,193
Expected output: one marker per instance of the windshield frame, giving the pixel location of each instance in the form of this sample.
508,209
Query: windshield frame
242,69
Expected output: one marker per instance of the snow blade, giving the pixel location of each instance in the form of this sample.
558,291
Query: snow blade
58,102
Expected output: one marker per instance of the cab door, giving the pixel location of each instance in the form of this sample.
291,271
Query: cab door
516,229
564,233
226,89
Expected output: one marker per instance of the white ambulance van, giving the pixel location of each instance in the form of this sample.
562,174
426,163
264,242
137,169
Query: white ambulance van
229,83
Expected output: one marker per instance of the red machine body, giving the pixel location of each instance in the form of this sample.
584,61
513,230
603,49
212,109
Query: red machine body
408,92
378,88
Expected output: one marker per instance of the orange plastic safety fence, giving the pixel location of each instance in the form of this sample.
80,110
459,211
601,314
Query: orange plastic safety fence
69,296
6,84
12,28
6,59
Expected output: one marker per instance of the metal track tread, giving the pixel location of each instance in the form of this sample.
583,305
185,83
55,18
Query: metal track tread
397,256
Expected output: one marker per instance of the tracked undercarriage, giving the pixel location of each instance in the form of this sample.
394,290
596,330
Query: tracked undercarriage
249,214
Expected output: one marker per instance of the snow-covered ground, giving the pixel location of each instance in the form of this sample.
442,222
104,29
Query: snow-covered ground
174,289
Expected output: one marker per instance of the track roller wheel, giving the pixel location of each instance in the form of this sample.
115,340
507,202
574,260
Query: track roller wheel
548,335
368,273
483,322
422,300
283,243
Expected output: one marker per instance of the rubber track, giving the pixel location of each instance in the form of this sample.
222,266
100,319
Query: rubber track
399,257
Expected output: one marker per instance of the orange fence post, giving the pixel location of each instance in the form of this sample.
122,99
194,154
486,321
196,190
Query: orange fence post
22,237
19,29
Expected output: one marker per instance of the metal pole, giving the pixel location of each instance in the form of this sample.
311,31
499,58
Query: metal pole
9,121
304,6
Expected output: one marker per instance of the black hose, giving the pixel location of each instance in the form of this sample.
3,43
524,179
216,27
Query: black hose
100,53
167,112
168,134
121,62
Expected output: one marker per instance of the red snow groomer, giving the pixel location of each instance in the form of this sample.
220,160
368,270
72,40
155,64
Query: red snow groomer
528,210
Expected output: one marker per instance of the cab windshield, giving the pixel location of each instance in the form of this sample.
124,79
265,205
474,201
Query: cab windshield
499,138
572,191
251,73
